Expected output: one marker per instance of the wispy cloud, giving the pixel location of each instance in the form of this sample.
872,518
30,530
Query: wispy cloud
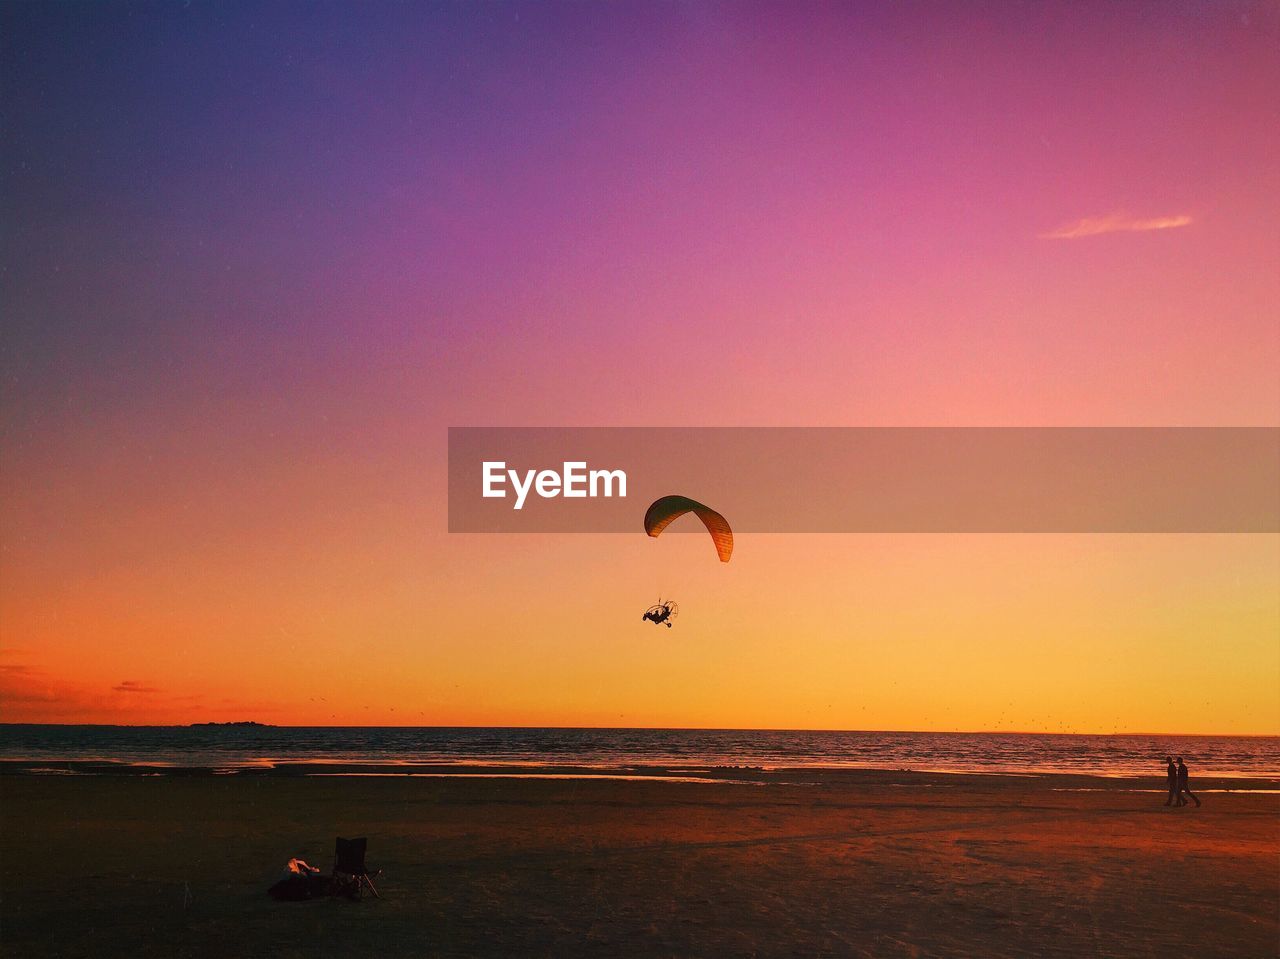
30,694
1115,223
132,686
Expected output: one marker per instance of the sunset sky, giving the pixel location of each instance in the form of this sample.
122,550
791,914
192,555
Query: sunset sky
257,258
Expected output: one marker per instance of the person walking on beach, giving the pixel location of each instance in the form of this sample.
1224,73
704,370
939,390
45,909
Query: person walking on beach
1172,773
1183,789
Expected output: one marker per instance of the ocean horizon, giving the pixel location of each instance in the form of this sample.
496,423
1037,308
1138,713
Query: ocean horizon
231,747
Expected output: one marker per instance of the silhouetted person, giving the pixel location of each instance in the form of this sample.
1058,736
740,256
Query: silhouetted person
1172,771
1183,789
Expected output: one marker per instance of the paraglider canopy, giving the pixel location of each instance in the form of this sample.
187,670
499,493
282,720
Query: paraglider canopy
663,512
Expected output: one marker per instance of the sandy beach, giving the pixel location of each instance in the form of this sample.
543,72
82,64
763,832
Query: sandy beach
798,863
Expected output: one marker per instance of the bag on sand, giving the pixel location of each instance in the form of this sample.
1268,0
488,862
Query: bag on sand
301,881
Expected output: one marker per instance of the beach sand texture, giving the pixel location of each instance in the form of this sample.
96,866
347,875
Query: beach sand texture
845,864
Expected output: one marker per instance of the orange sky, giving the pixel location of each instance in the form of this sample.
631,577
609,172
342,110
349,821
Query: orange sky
1085,633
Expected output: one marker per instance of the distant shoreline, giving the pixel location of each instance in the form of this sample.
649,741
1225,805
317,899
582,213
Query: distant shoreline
239,724
804,775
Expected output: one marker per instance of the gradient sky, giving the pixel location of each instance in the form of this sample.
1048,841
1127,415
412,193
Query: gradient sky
258,257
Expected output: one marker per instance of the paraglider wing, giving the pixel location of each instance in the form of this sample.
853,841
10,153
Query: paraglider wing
663,512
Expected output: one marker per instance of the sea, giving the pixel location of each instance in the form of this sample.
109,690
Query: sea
235,747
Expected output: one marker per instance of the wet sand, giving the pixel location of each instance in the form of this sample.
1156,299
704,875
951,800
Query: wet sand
800,863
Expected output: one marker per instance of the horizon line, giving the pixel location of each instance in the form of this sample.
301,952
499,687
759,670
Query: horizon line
732,729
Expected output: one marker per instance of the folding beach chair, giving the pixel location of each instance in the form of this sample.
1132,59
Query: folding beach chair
349,868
